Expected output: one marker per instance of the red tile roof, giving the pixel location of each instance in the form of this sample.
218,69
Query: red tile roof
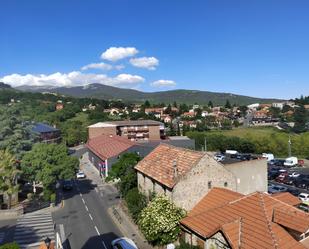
287,198
159,163
107,146
253,221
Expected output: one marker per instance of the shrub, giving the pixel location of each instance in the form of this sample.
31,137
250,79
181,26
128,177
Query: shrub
13,245
184,245
136,202
47,194
53,198
159,221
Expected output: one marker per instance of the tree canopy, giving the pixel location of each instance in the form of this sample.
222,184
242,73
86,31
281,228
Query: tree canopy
48,163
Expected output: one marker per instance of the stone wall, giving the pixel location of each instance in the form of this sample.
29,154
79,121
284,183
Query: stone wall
251,175
207,174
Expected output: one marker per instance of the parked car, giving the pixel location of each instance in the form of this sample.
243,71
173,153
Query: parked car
304,207
282,177
288,180
277,189
80,175
67,185
294,174
123,243
302,183
303,197
219,157
291,161
268,156
293,191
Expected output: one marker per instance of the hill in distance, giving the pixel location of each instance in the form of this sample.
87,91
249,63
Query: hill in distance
101,91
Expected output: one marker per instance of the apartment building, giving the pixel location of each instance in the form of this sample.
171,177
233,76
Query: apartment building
132,129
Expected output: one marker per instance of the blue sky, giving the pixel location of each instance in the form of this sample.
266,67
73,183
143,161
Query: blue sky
256,47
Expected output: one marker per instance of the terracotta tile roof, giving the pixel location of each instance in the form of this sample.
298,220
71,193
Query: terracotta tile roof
106,146
217,197
252,221
159,163
287,198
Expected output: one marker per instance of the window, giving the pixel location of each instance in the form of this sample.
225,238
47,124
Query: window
225,184
209,185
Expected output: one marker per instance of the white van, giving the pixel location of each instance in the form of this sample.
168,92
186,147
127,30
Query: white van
291,161
269,156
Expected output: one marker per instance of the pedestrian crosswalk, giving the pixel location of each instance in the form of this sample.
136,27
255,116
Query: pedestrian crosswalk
33,228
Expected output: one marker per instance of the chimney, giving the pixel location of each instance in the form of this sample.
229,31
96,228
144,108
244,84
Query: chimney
175,169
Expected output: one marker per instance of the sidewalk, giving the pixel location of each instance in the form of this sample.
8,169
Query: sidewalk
125,224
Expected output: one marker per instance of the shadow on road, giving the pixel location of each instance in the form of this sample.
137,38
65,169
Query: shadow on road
83,186
97,241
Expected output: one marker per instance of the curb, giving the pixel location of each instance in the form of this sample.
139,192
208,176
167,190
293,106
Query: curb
138,239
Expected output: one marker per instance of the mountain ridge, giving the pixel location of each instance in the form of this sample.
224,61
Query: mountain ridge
100,91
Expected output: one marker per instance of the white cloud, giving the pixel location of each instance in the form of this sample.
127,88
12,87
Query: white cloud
145,62
164,83
118,53
74,78
102,66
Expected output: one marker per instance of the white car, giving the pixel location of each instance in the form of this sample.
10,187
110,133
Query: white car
123,243
304,197
294,174
80,175
219,158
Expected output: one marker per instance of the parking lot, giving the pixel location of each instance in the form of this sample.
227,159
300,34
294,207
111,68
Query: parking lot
304,174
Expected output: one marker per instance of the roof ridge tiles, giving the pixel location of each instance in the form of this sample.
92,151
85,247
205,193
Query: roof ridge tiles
261,197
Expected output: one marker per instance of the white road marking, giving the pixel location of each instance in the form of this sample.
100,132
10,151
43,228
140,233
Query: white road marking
83,200
87,208
90,217
95,227
80,194
62,234
104,244
96,190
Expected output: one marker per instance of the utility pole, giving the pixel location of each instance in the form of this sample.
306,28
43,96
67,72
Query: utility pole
289,146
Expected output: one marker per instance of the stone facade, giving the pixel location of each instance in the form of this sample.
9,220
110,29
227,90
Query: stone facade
192,187
243,177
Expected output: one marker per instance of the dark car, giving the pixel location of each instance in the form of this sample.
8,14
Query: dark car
272,174
279,162
288,180
67,185
304,207
293,191
302,183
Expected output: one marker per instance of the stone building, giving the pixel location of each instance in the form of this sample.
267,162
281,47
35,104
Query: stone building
185,176
227,219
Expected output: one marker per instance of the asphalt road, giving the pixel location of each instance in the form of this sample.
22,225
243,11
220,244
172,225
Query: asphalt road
84,216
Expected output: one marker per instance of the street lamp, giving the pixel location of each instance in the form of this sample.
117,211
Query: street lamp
47,242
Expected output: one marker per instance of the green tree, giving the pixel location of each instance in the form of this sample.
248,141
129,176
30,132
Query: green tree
8,175
210,104
228,104
136,202
124,170
301,118
48,163
159,221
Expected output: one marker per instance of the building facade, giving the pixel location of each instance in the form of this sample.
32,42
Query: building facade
185,176
131,129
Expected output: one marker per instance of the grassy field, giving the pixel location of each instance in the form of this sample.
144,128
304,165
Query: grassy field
264,139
